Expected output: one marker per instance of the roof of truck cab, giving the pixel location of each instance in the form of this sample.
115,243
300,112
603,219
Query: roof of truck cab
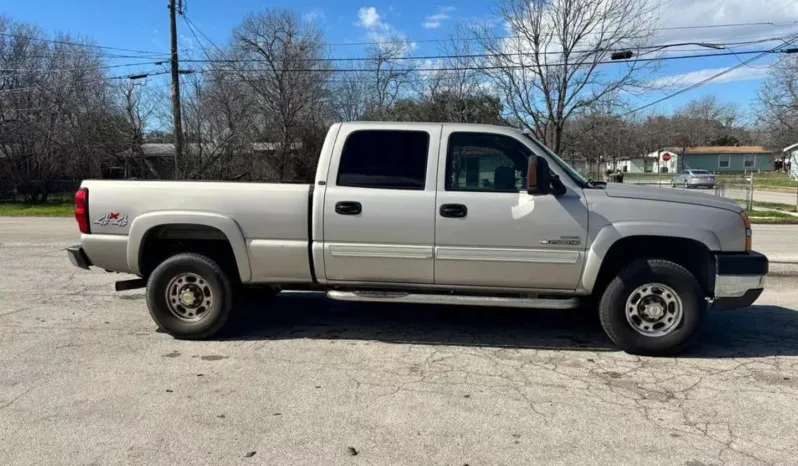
420,124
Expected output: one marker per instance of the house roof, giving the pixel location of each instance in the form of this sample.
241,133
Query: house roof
789,148
725,150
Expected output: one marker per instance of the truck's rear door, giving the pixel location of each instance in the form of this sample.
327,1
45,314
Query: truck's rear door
379,205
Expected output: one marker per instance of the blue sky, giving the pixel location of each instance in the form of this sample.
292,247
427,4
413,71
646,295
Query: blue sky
144,25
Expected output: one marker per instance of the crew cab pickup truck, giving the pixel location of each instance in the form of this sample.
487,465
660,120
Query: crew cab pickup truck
429,213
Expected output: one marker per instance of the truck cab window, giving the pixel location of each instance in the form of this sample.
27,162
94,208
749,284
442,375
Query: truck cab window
384,159
486,162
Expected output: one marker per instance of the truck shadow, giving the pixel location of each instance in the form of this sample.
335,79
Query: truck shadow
757,331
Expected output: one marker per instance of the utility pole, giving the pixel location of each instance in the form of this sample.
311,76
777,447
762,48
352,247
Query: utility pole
176,115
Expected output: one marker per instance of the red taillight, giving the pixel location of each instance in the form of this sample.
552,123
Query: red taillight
82,210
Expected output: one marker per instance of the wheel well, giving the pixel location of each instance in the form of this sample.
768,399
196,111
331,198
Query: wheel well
688,253
164,241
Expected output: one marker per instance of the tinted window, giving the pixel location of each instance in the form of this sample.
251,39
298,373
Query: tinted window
701,172
486,162
384,159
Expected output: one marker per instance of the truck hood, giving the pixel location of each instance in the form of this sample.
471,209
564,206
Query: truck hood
667,194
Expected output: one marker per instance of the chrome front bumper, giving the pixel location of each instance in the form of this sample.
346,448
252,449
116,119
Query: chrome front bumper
734,286
740,279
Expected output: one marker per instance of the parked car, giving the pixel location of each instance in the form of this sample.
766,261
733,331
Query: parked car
454,214
693,179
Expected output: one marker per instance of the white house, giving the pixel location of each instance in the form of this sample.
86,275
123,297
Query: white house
649,163
791,158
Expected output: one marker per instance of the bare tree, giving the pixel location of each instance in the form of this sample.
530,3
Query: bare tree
778,102
388,75
283,64
456,90
551,68
57,116
350,92
139,109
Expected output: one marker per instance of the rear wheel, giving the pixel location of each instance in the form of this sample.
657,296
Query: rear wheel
189,296
653,307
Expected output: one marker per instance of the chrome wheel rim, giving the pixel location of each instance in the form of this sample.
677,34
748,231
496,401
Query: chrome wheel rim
189,297
654,310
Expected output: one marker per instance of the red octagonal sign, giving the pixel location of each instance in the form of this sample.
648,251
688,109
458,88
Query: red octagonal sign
666,156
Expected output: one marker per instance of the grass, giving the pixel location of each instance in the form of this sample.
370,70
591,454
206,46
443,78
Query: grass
774,220
777,206
766,180
19,209
771,216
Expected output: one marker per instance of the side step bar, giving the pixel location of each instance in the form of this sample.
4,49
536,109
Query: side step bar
124,285
399,297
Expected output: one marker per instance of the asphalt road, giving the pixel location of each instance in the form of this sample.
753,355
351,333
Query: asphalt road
86,379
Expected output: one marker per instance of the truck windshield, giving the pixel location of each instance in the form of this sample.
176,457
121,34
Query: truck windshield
575,175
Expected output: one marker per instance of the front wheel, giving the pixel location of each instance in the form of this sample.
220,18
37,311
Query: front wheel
653,307
189,296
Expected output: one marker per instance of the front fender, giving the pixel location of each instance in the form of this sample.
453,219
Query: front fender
611,233
144,223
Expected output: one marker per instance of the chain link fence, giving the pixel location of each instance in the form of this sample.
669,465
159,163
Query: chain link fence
743,188
741,191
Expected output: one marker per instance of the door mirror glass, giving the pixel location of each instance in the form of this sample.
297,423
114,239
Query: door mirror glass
538,176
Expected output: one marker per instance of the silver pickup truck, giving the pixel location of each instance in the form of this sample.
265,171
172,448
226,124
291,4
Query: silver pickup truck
429,213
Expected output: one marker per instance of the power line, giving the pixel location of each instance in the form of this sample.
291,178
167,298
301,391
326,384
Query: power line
83,81
496,67
191,24
466,39
402,41
191,29
709,79
70,70
78,44
651,48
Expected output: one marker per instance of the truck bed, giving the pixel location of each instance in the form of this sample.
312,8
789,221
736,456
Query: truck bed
273,220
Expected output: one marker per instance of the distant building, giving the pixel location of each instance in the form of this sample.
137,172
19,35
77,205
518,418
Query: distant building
791,160
712,158
642,164
727,158
159,157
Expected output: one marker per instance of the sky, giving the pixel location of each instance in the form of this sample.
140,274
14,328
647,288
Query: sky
143,25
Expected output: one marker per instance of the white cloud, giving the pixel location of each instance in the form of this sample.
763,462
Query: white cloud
686,13
694,77
315,15
368,18
434,21
378,30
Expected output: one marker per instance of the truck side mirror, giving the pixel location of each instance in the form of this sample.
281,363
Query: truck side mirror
538,176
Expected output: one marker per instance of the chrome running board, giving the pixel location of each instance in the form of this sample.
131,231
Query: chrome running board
460,300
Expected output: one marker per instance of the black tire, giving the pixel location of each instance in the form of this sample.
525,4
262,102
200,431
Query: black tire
612,307
213,318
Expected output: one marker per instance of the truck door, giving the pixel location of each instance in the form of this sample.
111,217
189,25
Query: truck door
379,205
489,232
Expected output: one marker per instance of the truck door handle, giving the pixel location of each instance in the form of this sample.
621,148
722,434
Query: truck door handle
454,210
348,208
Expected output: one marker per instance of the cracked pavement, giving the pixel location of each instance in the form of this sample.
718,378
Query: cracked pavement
86,379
